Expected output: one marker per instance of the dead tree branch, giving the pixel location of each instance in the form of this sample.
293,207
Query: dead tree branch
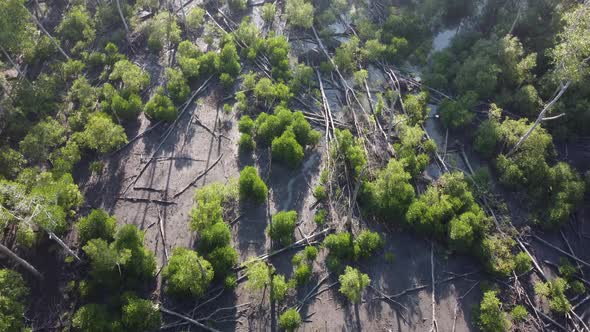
198,177
20,261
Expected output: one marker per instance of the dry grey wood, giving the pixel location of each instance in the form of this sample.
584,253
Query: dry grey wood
145,200
434,327
162,234
188,319
20,261
56,238
561,251
203,173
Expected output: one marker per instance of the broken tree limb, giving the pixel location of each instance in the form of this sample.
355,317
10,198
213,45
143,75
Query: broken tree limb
55,43
188,319
56,238
292,246
547,107
434,327
456,311
307,297
561,251
198,177
123,19
533,259
145,200
162,234
387,297
571,250
20,261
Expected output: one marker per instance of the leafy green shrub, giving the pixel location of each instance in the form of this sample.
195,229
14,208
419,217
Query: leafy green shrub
43,137
497,255
282,227
352,284
491,318
246,125
126,109
320,216
367,243
223,259
139,315
311,253
160,107
390,195
13,291
554,291
161,31
415,105
177,86
246,143
101,134
133,77
95,318
457,114
340,245
187,273
259,274
279,288
141,263
519,313
214,236
76,27
97,225
522,262
251,186
11,162
286,149
302,273
268,12
290,320
209,201
195,18
350,148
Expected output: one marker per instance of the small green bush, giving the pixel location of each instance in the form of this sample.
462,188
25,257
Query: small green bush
554,291
187,273
214,236
139,315
95,318
319,192
97,225
352,284
340,245
523,262
302,273
246,125
368,243
290,320
491,318
160,107
13,292
177,85
311,253
223,259
320,216
251,186
282,227
519,313
279,288
246,143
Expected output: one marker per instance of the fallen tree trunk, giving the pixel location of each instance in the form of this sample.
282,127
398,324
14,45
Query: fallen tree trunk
188,319
20,261
198,177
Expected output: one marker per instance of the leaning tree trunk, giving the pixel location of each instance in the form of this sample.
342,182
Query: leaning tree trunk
540,118
122,17
20,261
47,33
